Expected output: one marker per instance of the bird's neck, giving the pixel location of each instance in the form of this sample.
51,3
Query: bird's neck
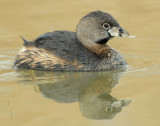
102,50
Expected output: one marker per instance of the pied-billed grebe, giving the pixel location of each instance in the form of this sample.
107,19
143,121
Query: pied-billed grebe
83,50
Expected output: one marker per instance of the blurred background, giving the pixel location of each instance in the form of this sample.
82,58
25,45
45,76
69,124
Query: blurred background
21,101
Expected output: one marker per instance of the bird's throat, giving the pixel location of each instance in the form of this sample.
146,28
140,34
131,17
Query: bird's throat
103,41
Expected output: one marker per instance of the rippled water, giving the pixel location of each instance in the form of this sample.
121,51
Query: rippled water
123,97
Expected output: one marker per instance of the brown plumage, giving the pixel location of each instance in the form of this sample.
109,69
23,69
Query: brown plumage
83,50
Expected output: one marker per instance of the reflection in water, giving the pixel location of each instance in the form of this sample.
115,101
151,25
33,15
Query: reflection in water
90,89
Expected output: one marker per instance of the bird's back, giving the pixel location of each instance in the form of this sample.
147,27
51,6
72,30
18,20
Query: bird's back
64,44
58,50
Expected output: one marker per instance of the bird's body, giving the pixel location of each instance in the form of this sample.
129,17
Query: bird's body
71,51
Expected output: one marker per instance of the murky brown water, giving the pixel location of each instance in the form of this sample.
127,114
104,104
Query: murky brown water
37,98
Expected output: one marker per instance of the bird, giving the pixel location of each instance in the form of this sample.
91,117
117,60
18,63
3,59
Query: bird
86,49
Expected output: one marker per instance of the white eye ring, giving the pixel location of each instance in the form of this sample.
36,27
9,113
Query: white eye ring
106,25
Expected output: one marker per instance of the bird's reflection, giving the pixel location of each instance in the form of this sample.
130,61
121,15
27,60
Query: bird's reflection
91,89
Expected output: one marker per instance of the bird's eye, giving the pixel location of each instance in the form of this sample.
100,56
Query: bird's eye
106,25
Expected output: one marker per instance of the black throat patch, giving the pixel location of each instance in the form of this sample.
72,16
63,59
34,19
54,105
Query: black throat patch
103,41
